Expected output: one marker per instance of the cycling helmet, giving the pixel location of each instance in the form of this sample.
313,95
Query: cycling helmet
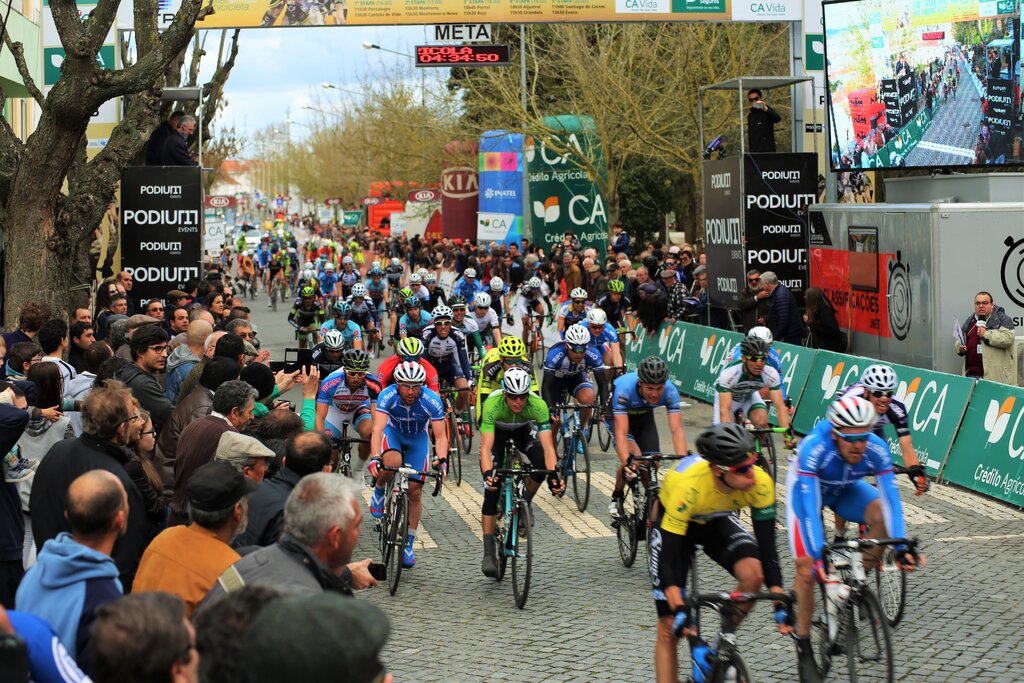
879,378
245,253
616,286
413,302
577,335
347,260
482,300
754,346
323,257
307,292
329,266
405,293
415,279
457,302
342,308
334,340
308,265
396,261
652,370
469,272
597,316
376,272
374,266
760,332
533,283
497,284
516,382
578,293
442,312
726,445
422,272
356,360
410,373
852,411
430,279
511,347
359,290
410,348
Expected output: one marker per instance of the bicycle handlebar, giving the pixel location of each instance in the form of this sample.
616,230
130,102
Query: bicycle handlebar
768,430
455,390
859,543
522,472
340,440
657,457
710,599
573,406
412,472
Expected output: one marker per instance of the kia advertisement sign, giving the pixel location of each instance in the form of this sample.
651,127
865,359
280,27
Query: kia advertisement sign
778,188
428,195
218,201
161,228
460,190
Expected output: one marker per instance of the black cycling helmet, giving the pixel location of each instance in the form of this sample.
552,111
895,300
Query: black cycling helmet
356,360
652,370
754,346
726,445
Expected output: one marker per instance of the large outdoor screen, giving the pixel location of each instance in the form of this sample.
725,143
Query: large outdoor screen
923,83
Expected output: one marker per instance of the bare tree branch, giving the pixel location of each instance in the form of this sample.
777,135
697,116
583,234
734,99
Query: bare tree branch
70,28
18,50
97,25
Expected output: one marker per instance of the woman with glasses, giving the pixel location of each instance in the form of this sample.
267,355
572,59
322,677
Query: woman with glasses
144,472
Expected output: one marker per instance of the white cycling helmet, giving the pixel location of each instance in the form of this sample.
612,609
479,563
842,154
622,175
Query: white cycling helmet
410,373
334,340
534,282
516,382
441,312
597,316
347,259
852,411
329,266
578,293
430,278
497,284
469,272
359,290
577,335
415,279
879,378
761,332
375,265
396,261
422,272
308,265
482,300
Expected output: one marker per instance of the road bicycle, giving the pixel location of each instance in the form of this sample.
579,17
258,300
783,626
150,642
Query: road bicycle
574,460
393,526
597,418
513,533
343,445
852,623
277,292
533,335
459,426
764,447
374,344
638,500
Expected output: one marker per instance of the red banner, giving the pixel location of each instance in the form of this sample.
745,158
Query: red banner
219,201
859,307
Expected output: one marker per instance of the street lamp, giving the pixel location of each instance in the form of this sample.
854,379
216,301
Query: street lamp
372,46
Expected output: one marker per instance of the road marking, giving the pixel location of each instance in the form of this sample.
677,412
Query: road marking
563,512
423,540
948,149
999,537
466,501
974,503
603,482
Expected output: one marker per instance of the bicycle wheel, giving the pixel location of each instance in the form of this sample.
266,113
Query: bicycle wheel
721,673
397,537
454,449
501,540
891,585
770,457
581,468
868,640
273,298
466,430
626,528
522,559
604,436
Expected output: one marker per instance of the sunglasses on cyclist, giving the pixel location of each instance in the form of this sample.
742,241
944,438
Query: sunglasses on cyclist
756,359
516,397
577,349
882,394
853,438
742,468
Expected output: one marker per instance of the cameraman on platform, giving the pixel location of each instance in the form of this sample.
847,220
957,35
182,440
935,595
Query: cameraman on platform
760,124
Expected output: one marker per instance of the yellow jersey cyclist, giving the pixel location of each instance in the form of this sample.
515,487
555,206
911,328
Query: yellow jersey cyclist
738,387
696,507
513,414
509,353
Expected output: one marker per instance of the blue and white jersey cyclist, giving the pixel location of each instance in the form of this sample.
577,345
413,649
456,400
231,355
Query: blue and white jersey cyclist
573,311
774,360
630,419
349,330
828,471
565,373
349,395
468,286
414,320
376,288
405,410
447,352
328,280
362,308
348,276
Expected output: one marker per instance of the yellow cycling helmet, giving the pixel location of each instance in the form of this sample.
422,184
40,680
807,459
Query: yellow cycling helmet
511,347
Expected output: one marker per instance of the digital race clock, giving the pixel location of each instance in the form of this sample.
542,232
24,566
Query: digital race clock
461,55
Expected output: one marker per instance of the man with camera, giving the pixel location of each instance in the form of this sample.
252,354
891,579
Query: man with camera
760,124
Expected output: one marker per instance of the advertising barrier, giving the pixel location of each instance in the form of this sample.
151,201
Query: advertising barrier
796,368
705,351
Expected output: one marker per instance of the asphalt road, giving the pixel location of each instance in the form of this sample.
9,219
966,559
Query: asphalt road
588,618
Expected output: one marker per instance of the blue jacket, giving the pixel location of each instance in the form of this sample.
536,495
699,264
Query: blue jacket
784,319
66,586
12,523
48,660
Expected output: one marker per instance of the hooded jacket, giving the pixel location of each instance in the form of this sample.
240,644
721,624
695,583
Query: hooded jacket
39,437
148,391
66,586
179,364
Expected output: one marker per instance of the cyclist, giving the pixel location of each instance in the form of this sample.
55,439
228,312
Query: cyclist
468,286
330,350
515,415
696,507
605,339
247,271
876,386
394,273
738,389
466,325
351,334
774,359
486,319
572,311
306,316
262,257
829,470
415,319
409,350
416,285
376,289
307,277
274,273
362,310
397,308
446,351
348,276
630,418
565,373
532,301
404,410
435,295
510,353
616,305
349,395
328,282
499,299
